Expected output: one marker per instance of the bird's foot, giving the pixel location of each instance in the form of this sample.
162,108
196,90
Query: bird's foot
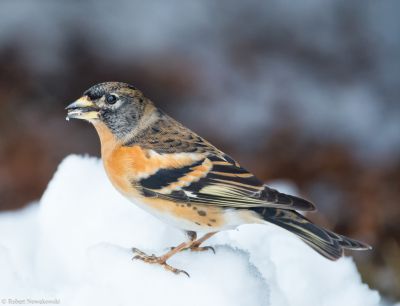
153,259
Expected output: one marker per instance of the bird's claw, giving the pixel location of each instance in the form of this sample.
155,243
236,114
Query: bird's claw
152,259
139,252
174,270
202,249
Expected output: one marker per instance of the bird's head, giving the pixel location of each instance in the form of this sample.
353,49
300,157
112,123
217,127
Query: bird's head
119,106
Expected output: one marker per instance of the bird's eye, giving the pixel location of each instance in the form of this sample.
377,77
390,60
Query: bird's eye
111,99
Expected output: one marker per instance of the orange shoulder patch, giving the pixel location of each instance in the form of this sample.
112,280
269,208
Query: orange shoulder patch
125,165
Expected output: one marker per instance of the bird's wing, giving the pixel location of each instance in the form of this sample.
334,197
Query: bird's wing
216,180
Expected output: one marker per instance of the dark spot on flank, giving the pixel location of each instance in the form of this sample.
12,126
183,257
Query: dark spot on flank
202,213
213,220
189,205
194,208
209,224
169,140
197,223
149,193
155,129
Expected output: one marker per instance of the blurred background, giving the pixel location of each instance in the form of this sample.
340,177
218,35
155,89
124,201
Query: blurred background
307,93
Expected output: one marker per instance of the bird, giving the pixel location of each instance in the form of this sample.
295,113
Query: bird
179,177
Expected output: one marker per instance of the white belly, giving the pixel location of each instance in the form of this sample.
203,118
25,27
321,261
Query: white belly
229,218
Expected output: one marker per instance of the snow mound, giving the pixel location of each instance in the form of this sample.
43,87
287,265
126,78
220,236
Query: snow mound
74,248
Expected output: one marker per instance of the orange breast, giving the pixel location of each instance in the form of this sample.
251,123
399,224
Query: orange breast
123,165
114,161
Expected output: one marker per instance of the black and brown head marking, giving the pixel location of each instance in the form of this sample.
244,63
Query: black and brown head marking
121,106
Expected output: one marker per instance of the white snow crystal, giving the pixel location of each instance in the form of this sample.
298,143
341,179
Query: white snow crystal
74,247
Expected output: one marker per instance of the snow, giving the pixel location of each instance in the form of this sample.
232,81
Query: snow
74,247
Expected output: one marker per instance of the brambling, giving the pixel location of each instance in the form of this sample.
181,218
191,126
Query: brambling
184,180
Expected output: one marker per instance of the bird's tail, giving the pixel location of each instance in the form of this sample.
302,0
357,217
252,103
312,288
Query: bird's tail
327,243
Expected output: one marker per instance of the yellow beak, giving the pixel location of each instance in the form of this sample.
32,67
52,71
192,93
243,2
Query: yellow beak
83,109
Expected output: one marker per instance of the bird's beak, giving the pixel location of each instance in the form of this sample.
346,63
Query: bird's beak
82,108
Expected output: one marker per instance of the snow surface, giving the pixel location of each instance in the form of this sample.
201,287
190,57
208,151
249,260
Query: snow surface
74,246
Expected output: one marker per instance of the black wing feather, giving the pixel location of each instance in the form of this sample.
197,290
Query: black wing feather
227,184
165,177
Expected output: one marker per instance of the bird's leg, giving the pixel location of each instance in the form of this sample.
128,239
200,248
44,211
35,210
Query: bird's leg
196,244
162,260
